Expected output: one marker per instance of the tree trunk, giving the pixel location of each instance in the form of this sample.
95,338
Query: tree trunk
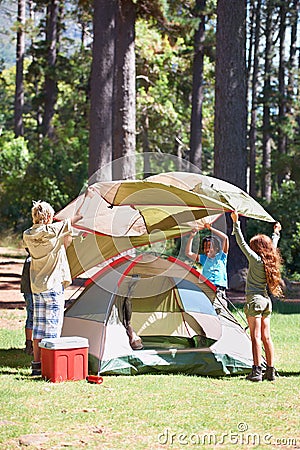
292,70
102,75
197,91
146,145
254,90
266,169
38,114
292,67
230,159
19,93
50,77
282,136
124,108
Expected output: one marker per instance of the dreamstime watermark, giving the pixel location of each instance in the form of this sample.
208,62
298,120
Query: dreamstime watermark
241,436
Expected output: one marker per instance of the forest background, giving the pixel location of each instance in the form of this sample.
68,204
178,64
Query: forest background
214,83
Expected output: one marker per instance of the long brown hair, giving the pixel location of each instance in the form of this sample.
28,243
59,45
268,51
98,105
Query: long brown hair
263,246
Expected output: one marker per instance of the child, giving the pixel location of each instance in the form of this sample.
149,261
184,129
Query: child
263,277
213,260
49,272
26,291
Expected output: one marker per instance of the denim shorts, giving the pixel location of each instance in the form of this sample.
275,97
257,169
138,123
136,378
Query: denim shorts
258,305
48,314
29,310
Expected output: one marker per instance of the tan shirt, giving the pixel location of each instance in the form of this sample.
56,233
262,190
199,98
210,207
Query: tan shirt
49,267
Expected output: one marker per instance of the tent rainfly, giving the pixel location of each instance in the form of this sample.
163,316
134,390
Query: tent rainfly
174,313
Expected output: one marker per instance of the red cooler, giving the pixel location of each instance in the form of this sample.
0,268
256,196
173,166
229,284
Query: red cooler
64,358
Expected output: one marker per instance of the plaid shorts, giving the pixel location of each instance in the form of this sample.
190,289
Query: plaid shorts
48,314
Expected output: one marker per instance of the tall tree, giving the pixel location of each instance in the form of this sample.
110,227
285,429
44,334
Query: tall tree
124,108
292,65
282,135
254,100
267,135
19,92
197,89
102,78
230,159
50,90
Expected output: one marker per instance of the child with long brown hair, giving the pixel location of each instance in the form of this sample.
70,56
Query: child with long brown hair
263,278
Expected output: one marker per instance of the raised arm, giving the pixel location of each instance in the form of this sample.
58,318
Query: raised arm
221,235
276,234
89,193
250,254
188,248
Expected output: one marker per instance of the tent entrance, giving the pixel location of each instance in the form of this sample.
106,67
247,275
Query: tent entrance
161,319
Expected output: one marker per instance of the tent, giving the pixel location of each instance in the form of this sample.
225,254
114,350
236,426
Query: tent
126,214
173,312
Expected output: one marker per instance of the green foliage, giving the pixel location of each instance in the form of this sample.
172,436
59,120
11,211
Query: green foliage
164,80
14,159
14,156
285,206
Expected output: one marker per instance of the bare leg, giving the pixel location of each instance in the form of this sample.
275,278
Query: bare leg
267,341
28,334
36,350
255,334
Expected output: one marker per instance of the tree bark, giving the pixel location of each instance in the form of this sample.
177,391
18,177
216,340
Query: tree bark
197,90
124,107
254,91
282,135
102,75
230,158
267,149
50,77
19,92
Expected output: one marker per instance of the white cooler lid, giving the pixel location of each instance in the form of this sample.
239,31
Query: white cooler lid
64,342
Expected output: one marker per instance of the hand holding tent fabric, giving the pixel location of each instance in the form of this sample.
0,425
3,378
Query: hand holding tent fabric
124,214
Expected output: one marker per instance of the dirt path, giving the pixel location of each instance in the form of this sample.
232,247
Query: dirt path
11,265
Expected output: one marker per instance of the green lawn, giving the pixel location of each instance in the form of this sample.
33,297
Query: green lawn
149,411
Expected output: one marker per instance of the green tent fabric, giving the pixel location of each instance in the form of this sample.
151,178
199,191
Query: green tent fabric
126,214
172,311
228,194
133,208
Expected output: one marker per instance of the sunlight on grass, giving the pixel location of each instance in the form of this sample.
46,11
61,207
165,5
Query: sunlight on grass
151,411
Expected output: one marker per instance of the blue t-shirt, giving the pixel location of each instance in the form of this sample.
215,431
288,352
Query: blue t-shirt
214,269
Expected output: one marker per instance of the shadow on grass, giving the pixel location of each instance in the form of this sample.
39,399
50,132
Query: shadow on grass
15,362
15,358
288,374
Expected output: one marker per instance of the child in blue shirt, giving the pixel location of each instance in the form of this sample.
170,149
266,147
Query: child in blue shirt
213,259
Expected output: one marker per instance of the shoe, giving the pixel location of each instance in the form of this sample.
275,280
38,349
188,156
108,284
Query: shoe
36,369
270,374
255,374
28,347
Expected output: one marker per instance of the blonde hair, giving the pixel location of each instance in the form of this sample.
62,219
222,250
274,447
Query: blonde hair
264,247
42,212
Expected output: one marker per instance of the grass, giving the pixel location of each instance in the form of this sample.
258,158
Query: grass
149,411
